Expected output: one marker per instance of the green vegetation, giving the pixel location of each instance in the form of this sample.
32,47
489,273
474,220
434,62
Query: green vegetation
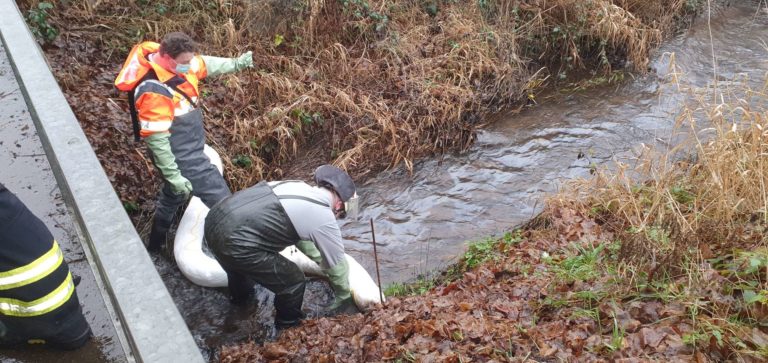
38,19
131,207
479,252
487,249
362,10
243,161
418,287
581,266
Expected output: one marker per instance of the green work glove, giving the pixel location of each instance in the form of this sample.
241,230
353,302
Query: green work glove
160,145
338,276
217,65
308,248
245,60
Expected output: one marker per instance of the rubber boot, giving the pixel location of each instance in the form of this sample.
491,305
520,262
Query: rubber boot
240,288
288,306
159,233
283,323
73,332
346,307
168,204
75,343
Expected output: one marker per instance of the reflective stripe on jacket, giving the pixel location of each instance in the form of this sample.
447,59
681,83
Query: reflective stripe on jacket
34,280
156,103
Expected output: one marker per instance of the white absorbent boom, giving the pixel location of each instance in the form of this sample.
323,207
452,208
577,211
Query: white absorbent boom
204,270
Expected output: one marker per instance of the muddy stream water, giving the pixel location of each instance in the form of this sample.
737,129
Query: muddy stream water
423,221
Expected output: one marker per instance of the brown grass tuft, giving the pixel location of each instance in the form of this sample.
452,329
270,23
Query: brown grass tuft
368,84
704,197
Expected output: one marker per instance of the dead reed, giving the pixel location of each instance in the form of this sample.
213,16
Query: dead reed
688,222
367,84
705,196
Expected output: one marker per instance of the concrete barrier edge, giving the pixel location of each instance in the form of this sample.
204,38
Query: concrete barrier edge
152,324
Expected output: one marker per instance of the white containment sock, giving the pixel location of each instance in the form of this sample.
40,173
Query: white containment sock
197,266
204,270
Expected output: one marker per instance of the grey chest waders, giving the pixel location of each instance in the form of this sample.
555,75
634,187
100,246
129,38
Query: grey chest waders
187,143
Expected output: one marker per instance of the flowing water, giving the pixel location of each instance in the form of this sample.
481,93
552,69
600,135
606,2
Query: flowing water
422,221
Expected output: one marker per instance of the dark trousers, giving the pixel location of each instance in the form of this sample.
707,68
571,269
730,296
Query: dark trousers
274,272
207,185
63,328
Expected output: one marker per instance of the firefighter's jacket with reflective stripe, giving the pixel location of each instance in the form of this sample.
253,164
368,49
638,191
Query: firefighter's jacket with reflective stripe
157,103
35,283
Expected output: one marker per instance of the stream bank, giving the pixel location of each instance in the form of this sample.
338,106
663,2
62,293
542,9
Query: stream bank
258,94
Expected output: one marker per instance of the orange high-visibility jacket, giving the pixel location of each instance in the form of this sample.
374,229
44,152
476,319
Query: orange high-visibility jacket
157,103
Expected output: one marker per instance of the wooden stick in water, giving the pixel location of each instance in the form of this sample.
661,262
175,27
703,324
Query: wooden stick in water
376,258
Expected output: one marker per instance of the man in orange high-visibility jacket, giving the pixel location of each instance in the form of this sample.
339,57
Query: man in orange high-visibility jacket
38,301
164,79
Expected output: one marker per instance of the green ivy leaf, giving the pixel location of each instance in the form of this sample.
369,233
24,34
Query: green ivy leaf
243,161
719,337
750,297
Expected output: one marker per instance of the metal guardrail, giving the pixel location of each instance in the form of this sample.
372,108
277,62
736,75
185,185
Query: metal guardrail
154,329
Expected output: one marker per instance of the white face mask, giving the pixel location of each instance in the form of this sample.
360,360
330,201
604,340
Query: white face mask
182,68
352,206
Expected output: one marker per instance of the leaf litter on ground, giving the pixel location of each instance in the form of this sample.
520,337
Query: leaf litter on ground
520,308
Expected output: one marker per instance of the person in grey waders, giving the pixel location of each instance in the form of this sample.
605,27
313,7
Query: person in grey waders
246,232
38,301
162,81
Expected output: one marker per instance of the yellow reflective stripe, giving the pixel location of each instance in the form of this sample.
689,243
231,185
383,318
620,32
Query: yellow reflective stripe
34,270
47,303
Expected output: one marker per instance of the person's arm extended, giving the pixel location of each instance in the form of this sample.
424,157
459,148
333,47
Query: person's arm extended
217,65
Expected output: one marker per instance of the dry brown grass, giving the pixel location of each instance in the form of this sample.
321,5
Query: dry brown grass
702,198
421,84
691,220
371,84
